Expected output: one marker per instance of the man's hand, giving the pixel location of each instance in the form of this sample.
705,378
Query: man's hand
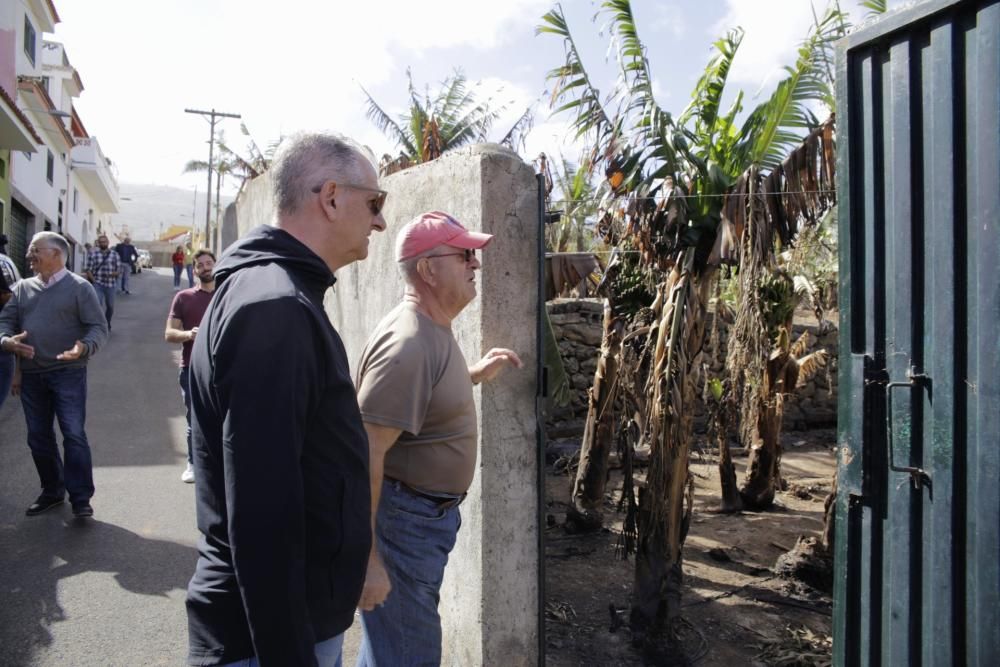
14,344
15,385
377,584
492,363
192,332
73,353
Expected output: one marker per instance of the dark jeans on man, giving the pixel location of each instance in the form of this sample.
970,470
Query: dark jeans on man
7,364
182,380
61,395
106,297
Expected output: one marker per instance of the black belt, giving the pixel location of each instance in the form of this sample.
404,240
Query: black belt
443,502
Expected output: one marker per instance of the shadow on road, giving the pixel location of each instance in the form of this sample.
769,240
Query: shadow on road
48,550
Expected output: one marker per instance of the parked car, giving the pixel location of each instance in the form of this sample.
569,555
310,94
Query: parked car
145,260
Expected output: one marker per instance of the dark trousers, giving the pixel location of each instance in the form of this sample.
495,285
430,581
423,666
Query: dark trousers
59,395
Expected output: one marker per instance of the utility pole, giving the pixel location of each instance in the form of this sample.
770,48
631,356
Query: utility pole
212,115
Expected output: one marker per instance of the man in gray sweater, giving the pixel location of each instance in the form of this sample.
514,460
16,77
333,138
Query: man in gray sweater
55,324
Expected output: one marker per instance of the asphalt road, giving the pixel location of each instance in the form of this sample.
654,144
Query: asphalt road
109,590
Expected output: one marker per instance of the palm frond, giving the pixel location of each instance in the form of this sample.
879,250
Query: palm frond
776,125
572,88
195,165
707,95
518,132
875,7
810,364
386,124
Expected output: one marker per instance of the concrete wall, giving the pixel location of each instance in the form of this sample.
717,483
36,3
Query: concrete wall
490,595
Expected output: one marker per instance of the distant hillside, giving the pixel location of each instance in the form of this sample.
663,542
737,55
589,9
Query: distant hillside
148,209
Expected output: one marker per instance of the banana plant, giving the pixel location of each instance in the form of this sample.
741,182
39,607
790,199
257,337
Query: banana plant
677,188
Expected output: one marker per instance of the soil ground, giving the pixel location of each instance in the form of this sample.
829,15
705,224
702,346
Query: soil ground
736,611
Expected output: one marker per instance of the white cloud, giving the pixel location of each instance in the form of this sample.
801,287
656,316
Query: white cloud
668,18
773,33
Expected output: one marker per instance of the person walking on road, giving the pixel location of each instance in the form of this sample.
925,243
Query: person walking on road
55,324
177,261
185,315
280,454
7,266
423,439
8,361
189,263
126,256
102,269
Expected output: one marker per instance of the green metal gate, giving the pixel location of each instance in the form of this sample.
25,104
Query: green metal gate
918,510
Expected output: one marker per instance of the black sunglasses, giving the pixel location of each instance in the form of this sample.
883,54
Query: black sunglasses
374,205
468,254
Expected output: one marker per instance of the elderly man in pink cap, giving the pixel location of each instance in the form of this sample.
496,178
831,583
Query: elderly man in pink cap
415,392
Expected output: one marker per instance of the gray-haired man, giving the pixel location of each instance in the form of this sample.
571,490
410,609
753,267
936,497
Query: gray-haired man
55,324
280,453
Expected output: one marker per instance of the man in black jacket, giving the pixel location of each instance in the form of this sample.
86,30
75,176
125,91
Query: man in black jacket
280,452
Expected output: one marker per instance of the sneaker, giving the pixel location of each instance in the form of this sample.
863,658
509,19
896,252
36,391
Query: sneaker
43,504
82,510
188,475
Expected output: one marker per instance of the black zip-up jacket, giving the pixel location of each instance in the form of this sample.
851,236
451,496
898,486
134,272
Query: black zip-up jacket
281,462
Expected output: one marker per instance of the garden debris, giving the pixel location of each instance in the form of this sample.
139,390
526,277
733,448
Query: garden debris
560,611
800,647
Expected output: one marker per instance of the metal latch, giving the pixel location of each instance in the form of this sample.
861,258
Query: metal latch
918,477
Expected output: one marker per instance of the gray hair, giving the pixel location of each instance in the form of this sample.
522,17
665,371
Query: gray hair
408,267
53,240
307,160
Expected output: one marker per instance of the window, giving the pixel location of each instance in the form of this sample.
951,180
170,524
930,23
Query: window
3,173
29,39
76,194
50,167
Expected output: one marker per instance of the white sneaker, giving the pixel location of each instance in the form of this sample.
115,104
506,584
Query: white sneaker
188,475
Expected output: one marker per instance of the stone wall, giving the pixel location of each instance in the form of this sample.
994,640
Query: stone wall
578,326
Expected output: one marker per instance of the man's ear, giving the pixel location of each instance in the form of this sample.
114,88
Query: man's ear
425,271
327,199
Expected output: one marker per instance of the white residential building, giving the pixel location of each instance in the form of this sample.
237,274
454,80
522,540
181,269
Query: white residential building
65,184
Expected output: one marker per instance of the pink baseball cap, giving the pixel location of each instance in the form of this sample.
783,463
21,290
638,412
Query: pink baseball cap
436,228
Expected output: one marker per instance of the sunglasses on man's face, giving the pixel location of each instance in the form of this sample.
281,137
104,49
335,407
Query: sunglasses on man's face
469,255
374,205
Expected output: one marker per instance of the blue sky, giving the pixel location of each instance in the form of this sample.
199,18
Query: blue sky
299,64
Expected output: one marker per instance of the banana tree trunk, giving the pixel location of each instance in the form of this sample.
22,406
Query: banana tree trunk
665,503
763,466
587,496
731,500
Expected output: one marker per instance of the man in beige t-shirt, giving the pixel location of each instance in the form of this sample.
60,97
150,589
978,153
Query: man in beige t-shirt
415,392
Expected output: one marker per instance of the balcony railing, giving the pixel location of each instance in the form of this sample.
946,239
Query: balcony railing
88,157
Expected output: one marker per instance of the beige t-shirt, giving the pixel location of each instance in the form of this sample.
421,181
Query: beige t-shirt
412,376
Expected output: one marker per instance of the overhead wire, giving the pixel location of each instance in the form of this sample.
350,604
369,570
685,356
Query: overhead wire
660,198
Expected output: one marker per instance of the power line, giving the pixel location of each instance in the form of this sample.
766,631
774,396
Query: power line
660,198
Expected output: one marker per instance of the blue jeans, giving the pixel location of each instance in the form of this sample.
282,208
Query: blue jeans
327,654
190,272
61,395
182,380
414,537
106,297
7,362
178,269
126,270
